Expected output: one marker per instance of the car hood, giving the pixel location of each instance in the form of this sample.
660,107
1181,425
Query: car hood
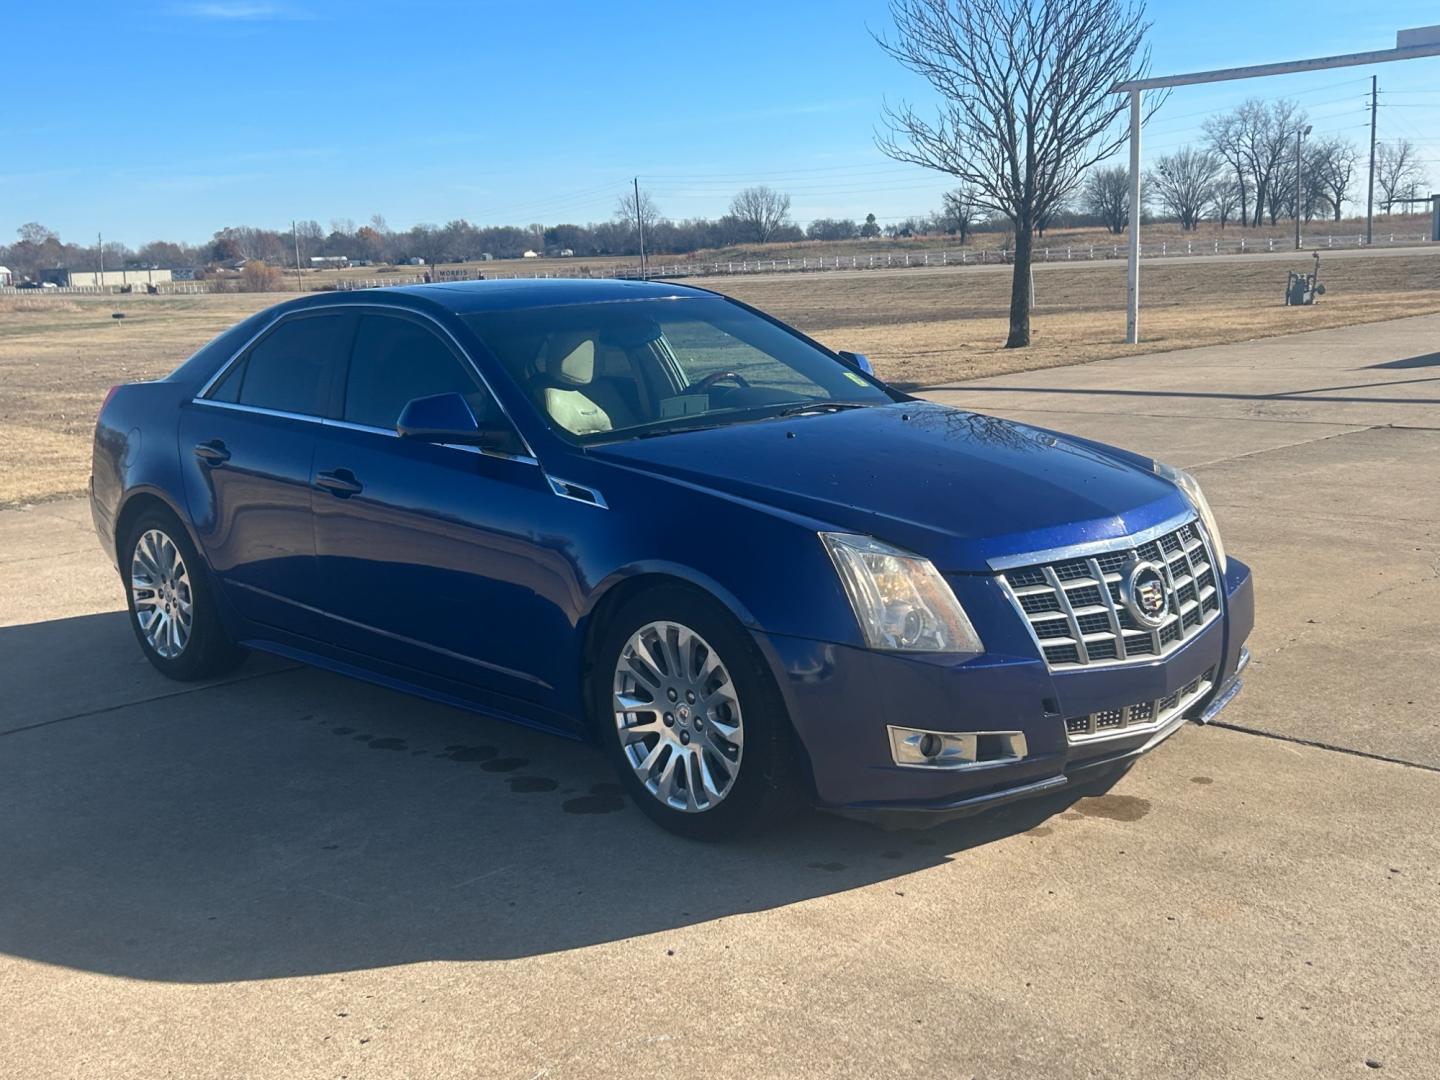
960,488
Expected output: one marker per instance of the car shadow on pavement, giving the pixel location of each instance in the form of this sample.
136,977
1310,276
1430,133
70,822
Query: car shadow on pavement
1424,360
293,822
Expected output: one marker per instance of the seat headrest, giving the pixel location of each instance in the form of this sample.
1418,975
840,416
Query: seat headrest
571,360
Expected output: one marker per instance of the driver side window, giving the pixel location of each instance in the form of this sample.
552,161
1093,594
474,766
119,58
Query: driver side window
396,360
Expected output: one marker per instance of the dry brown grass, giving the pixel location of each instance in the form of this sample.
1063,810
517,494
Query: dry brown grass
58,355
937,327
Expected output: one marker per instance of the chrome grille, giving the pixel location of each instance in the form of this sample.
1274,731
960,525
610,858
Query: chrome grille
1075,613
1138,718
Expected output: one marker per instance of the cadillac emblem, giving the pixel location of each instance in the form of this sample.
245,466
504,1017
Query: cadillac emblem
1143,592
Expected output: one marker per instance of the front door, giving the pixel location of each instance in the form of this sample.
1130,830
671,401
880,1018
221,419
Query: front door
430,556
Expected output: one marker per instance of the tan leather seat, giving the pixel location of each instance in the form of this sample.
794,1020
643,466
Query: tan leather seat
572,394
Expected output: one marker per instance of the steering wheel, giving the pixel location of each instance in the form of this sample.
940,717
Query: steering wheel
710,380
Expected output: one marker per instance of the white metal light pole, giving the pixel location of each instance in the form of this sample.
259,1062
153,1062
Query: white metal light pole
1409,45
1132,278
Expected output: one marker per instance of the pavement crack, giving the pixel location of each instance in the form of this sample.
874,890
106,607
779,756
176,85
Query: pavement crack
146,701
1318,745
1356,430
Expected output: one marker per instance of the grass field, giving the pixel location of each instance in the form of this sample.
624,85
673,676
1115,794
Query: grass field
58,355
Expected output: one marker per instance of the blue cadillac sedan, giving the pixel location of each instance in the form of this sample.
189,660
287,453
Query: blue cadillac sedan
653,517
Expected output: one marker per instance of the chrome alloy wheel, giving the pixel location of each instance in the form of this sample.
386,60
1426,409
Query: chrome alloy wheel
678,717
160,587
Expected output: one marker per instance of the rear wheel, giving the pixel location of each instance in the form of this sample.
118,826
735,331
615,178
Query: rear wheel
172,609
691,717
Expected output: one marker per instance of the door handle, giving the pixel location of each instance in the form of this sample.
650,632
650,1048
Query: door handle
212,453
341,483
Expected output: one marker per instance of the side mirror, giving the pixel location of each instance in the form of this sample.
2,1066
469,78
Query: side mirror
448,418
859,361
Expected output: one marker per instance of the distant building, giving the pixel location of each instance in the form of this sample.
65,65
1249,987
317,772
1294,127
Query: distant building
328,262
565,253
93,278
6,278
415,261
531,255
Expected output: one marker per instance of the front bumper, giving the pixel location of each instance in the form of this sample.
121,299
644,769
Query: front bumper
842,700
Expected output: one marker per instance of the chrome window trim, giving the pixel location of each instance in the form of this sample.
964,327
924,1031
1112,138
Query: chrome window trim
258,410
390,433
323,421
200,398
1092,547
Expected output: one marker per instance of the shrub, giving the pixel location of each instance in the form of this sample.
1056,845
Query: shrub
259,277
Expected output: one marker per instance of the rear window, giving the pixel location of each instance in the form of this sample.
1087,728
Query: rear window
289,370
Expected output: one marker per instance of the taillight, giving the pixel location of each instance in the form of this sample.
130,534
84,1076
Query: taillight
108,395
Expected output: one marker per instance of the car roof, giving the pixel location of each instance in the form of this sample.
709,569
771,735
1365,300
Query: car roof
464,297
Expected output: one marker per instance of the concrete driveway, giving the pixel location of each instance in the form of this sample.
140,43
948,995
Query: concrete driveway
288,874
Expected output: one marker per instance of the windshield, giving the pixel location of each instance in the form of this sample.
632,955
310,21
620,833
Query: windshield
618,370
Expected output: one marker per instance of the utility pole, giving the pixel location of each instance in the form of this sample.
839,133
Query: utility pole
640,226
1300,134
1370,200
295,230
100,254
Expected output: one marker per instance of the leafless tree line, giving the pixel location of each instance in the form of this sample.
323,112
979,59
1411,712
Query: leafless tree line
1244,171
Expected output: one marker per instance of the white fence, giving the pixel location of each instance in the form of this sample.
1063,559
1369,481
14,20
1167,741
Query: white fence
167,289
815,264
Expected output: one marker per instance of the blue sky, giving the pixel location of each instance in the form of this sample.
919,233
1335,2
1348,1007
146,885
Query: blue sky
168,119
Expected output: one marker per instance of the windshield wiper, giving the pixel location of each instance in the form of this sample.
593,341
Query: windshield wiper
820,406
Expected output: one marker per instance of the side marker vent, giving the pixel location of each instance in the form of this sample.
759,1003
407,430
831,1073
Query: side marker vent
568,489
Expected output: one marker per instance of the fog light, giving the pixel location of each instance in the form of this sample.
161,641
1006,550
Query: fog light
951,750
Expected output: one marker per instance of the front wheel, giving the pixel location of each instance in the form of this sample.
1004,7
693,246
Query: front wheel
172,609
691,717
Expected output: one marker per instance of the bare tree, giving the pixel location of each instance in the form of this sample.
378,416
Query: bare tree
1225,136
1257,140
32,232
1106,195
1225,198
625,212
761,211
1184,184
1026,103
1397,171
959,210
1334,161
1270,145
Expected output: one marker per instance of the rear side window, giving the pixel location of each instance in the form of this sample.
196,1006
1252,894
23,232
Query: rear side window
290,369
395,361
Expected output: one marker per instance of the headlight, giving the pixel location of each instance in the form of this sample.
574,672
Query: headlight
900,599
1191,488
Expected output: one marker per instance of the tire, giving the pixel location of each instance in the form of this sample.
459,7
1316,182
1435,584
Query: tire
163,573
737,725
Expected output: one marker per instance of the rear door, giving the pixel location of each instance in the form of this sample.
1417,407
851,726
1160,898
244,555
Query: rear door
246,446
428,555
